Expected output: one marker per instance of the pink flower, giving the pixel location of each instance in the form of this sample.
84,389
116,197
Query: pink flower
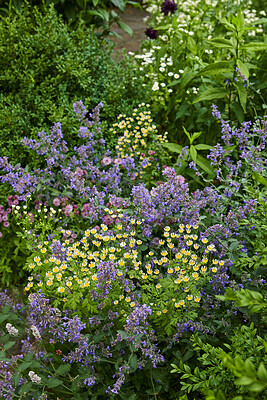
1,234
6,224
106,160
180,178
151,152
56,202
107,220
68,209
117,161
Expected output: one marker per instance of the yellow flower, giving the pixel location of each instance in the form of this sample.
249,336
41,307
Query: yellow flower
49,282
61,289
197,299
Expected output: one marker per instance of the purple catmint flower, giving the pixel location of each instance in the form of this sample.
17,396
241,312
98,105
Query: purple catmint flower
152,33
168,6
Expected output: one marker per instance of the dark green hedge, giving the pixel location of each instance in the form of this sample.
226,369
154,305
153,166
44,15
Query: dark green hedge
45,66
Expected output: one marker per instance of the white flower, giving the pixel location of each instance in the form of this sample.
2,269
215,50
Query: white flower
176,76
181,71
35,332
34,377
12,330
162,69
155,86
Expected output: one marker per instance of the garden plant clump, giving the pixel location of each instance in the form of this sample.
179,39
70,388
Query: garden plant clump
133,248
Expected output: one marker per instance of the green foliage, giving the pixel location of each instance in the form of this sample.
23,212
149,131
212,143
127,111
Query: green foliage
44,67
240,370
99,13
205,54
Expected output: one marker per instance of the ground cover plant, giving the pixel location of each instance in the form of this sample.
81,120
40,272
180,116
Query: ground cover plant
133,267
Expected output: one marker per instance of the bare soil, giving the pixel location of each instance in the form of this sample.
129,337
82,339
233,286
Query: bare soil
133,17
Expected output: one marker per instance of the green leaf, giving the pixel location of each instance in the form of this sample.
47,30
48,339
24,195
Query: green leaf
8,345
193,153
242,94
93,12
221,43
176,148
243,68
133,361
95,2
227,24
54,382
25,388
256,387
104,14
118,3
63,369
205,165
195,136
187,134
262,373
259,178
238,111
125,27
203,147
254,46
16,378
217,68
244,381
210,94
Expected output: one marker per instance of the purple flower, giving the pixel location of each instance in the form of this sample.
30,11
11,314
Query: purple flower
151,33
168,6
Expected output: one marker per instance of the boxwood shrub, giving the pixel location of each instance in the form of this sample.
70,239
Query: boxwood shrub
45,66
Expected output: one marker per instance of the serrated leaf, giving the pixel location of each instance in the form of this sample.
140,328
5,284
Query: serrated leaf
54,382
176,148
63,369
210,94
217,68
25,388
8,345
254,46
243,68
220,43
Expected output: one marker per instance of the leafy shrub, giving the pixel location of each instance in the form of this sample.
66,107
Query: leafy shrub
45,66
237,368
99,13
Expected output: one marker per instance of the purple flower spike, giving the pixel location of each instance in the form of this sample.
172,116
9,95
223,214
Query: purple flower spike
168,6
151,33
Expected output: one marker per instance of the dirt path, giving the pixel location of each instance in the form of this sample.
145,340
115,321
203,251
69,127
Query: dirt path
134,18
